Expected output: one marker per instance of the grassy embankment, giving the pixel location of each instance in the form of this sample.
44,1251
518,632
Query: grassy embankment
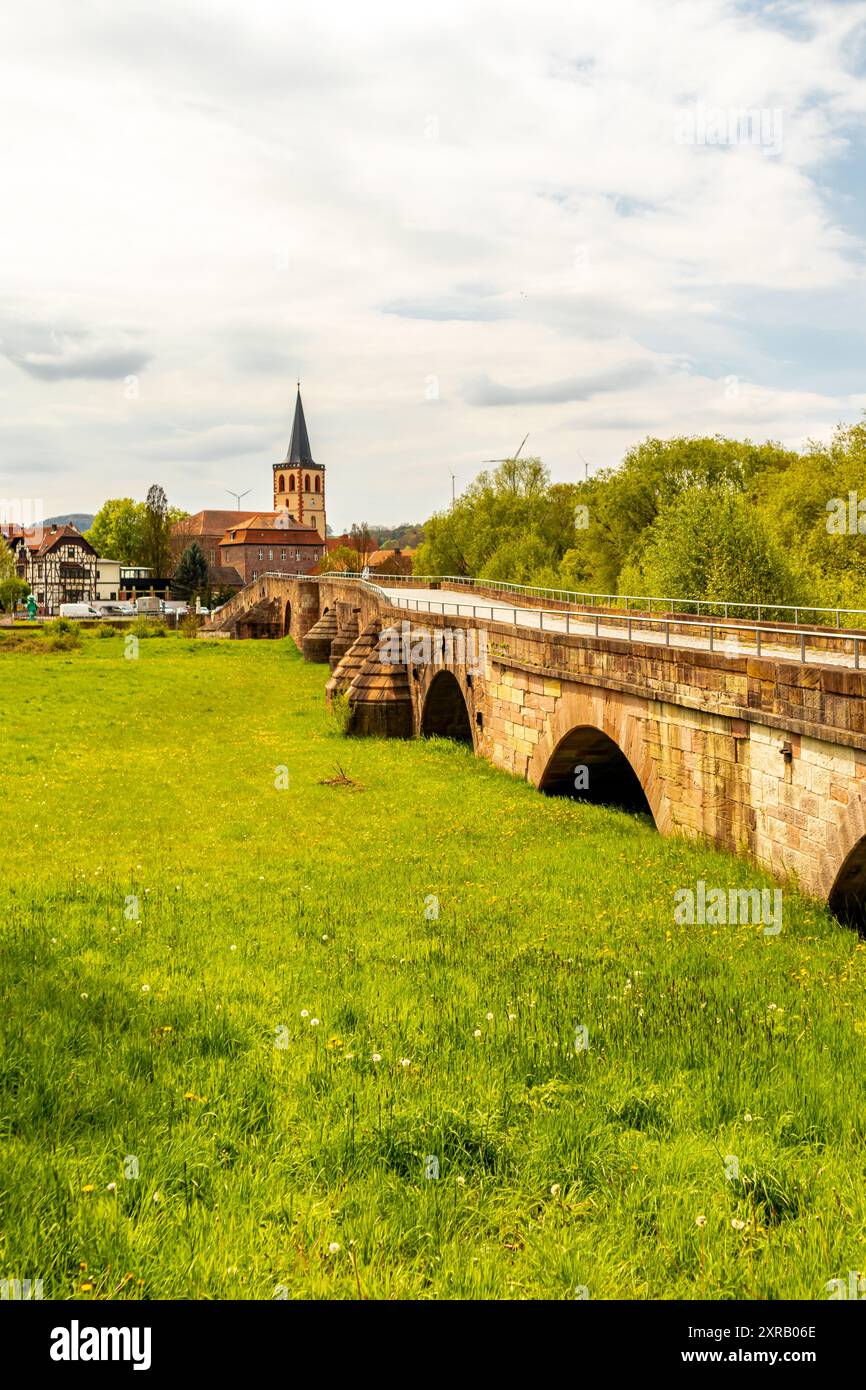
186,1040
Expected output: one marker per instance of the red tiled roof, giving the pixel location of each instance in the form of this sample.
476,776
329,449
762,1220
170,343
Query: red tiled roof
209,523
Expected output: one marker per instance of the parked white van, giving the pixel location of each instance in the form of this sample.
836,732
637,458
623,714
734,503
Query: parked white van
78,610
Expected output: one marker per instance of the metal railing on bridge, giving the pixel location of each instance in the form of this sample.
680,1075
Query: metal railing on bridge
713,633
646,603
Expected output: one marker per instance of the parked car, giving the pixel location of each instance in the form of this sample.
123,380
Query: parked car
78,610
113,608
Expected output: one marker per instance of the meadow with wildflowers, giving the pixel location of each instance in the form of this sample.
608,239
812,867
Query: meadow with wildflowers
414,1031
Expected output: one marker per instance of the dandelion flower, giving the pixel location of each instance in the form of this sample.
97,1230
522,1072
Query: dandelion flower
314,1023
85,995
555,1190
334,1248
112,1187
145,989
377,1057
489,1018
701,1220
405,1062
88,1187
737,1224
477,1033
305,1013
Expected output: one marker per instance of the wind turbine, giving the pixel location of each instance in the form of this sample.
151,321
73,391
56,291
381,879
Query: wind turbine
514,457
238,495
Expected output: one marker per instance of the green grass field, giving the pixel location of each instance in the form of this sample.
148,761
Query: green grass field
285,1033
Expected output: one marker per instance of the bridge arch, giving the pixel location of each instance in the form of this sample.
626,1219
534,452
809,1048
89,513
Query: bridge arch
444,711
605,735
587,764
844,876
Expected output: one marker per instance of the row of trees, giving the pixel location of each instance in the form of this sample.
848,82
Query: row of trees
709,518
137,533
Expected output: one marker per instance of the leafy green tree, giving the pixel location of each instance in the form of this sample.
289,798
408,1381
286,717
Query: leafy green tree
711,543
7,561
191,576
157,531
622,503
802,506
117,532
12,591
341,560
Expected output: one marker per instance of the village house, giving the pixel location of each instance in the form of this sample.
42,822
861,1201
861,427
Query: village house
58,563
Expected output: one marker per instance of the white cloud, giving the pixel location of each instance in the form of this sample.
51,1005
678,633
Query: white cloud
380,197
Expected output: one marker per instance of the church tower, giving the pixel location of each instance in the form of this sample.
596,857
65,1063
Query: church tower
299,483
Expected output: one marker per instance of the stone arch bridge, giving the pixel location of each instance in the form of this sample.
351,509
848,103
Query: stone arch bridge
747,732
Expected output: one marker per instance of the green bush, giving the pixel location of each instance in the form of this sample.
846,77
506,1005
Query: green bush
340,711
105,630
60,626
148,627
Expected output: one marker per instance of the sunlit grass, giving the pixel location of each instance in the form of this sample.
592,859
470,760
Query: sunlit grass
183,1040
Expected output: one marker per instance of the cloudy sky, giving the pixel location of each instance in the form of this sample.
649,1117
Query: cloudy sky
457,223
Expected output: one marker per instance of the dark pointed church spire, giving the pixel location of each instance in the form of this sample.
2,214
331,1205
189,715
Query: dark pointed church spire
299,444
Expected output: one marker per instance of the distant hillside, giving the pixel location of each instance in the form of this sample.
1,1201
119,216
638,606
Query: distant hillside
83,520
408,534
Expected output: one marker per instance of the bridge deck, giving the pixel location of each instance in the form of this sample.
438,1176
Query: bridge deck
793,644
